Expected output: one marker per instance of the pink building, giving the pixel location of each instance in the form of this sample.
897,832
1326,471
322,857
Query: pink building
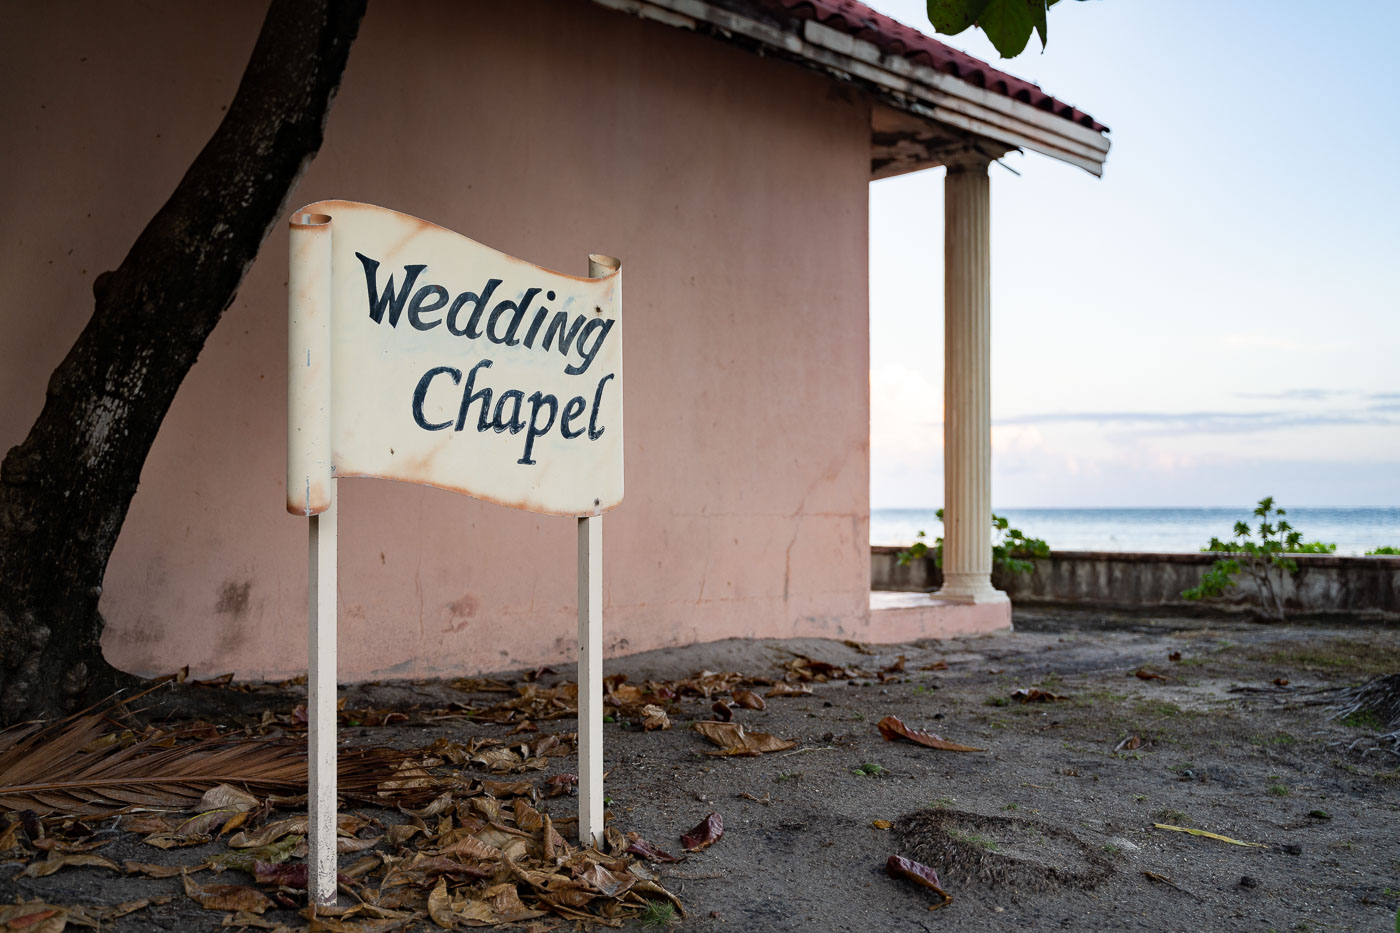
721,148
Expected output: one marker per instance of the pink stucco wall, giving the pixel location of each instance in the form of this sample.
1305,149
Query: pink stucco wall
734,189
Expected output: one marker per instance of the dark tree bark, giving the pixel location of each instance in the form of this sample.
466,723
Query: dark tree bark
65,490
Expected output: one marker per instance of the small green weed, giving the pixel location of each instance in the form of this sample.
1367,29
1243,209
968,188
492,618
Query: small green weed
658,914
973,839
996,701
1278,790
869,769
942,803
1111,849
1363,719
1172,817
789,776
1156,709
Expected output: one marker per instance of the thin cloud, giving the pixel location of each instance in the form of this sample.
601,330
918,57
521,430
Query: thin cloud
1213,422
1295,395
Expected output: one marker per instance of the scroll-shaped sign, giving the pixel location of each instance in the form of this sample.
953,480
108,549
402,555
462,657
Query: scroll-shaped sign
419,355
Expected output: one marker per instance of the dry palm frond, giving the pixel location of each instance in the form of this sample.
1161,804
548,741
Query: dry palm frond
80,767
1375,703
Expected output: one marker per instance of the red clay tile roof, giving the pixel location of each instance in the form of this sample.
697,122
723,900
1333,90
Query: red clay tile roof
894,38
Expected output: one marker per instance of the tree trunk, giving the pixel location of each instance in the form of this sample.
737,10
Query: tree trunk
65,490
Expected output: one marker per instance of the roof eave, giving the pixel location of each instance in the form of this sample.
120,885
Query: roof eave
938,98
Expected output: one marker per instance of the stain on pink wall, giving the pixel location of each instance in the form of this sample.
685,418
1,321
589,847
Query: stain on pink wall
734,190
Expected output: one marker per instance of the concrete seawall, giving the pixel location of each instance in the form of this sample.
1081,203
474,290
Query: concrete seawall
1362,588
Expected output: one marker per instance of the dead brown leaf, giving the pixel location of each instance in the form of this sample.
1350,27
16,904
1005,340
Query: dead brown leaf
176,840
788,690
803,668
707,683
34,917
282,874
269,834
636,845
734,741
55,862
892,728
55,844
1129,744
133,867
709,831
1143,673
560,784
654,717
227,897
1035,695
748,699
901,868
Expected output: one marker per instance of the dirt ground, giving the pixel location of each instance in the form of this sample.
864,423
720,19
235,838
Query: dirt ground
1050,828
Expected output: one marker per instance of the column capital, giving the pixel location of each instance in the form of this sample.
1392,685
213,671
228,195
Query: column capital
972,159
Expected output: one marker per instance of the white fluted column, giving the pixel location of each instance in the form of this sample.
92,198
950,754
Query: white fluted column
967,385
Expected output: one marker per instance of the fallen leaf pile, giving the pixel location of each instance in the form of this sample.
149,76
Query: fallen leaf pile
806,670
461,834
467,842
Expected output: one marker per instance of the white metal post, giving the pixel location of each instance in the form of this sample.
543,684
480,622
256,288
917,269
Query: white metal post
590,680
321,708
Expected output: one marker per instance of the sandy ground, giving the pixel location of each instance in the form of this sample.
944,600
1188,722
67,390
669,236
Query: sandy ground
1050,828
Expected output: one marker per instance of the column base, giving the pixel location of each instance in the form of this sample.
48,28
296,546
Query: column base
971,588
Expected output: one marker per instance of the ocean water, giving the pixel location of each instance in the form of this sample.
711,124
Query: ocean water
1354,531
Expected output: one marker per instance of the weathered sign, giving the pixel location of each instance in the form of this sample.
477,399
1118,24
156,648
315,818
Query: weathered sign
444,362
419,355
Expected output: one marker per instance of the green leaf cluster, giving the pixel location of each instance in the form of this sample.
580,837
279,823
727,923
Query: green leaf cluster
1384,550
1262,553
1012,550
1007,23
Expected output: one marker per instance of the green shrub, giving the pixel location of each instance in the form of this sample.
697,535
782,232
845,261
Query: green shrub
1012,551
1264,558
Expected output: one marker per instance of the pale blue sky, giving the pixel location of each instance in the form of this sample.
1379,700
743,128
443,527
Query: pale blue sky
1218,317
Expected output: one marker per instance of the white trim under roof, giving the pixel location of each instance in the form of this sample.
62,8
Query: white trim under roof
917,89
